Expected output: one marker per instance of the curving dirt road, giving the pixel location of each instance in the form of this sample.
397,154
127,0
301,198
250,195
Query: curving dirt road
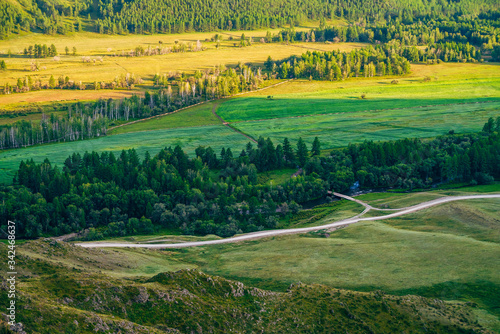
272,233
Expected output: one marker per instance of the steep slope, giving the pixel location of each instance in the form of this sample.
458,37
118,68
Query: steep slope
58,298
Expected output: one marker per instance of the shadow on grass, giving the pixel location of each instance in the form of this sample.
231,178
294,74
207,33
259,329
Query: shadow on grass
485,294
260,108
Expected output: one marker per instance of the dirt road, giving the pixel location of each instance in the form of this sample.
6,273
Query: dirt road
272,233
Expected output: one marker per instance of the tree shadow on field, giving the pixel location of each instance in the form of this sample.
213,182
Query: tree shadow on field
258,108
16,55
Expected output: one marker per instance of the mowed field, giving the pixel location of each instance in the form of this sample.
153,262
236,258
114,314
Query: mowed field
456,98
341,129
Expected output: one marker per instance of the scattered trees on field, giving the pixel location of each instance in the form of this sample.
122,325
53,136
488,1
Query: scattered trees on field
40,51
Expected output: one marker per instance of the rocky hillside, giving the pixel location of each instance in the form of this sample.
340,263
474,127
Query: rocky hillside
58,297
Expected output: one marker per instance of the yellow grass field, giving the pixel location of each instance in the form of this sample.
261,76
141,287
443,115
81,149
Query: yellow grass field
440,73
147,66
88,42
112,49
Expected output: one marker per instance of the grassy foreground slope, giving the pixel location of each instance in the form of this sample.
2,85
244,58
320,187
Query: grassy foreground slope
450,251
54,298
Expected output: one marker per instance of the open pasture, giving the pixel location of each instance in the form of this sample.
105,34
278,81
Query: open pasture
301,97
194,116
364,255
338,130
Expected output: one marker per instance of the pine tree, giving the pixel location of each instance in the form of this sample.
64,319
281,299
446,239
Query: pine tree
288,151
316,147
302,153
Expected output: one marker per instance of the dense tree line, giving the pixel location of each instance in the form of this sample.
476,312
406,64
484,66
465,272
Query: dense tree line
148,16
122,195
219,193
414,163
177,16
479,31
368,62
52,129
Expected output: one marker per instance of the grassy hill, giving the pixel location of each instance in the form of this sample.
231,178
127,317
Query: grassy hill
56,297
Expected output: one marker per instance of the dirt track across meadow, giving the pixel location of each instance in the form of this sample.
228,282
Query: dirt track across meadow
272,233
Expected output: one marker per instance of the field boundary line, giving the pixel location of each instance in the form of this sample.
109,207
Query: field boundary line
214,111
360,111
197,104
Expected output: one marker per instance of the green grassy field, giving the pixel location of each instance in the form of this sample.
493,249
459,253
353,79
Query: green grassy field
338,130
216,136
195,116
389,112
330,98
87,290
365,255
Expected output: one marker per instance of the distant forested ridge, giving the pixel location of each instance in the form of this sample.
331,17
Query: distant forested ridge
219,193
177,16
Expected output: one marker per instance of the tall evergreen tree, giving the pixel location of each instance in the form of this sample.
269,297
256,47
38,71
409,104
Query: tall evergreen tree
302,152
316,147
